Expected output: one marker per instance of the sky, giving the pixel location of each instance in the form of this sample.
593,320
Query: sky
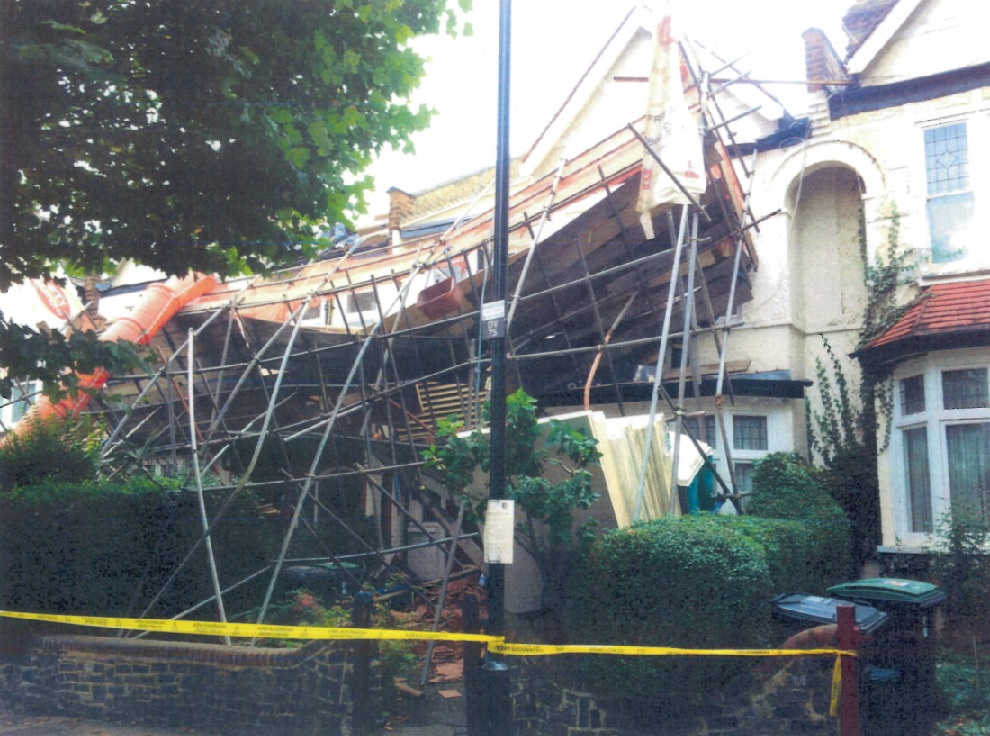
552,44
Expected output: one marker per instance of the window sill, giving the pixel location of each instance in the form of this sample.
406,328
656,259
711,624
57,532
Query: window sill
902,550
932,273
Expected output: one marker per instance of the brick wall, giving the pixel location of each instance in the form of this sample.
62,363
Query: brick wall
241,690
793,700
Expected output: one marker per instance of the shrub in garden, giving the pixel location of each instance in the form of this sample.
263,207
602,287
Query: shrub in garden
53,450
965,695
960,565
531,450
702,582
802,555
107,548
689,582
787,487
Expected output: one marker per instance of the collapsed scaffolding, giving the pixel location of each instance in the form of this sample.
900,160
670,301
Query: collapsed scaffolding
342,368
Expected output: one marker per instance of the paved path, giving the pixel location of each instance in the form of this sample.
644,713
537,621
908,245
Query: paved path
15,724
431,716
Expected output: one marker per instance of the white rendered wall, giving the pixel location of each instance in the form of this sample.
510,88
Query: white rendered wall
939,36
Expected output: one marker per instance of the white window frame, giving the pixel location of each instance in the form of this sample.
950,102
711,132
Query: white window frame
977,121
746,457
934,418
353,316
780,438
318,314
31,390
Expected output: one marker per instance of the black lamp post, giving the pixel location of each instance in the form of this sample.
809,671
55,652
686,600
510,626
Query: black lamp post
495,673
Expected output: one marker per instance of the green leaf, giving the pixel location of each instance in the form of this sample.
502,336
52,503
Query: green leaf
63,27
89,52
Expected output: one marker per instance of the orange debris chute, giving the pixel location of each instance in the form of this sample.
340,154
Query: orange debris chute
158,304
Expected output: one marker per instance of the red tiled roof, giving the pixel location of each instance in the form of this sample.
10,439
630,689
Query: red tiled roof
941,310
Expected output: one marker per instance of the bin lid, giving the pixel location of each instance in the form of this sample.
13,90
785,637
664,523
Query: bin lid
814,608
914,592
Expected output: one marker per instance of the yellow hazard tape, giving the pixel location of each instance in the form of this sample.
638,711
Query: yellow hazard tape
500,646
252,631
833,708
496,644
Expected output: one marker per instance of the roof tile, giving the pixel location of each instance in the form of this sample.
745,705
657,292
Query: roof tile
941,309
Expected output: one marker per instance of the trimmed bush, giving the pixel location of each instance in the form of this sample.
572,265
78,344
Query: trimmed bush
806,555
787,487
703,582
691,582
108,548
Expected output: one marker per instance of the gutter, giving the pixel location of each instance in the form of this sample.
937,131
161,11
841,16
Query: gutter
854,100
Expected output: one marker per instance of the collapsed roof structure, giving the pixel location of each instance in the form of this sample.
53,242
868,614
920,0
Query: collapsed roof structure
333,374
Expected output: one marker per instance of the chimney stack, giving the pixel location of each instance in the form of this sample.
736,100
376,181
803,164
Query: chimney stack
400,204
821,63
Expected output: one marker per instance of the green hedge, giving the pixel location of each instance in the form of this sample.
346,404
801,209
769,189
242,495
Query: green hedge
696,582
802,555
107,548
785,486
699,582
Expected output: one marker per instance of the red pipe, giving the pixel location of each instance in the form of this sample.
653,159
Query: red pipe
819,637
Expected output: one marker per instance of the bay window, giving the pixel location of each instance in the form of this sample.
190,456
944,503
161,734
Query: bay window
940,447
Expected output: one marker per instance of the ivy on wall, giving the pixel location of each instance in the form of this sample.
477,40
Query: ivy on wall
853,423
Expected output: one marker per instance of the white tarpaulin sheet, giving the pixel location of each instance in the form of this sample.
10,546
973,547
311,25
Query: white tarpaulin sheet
670,130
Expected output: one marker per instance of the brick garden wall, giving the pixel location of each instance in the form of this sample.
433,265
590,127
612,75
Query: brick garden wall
308,690
794,700
335,688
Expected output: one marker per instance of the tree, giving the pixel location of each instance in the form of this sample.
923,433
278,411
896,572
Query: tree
203,134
